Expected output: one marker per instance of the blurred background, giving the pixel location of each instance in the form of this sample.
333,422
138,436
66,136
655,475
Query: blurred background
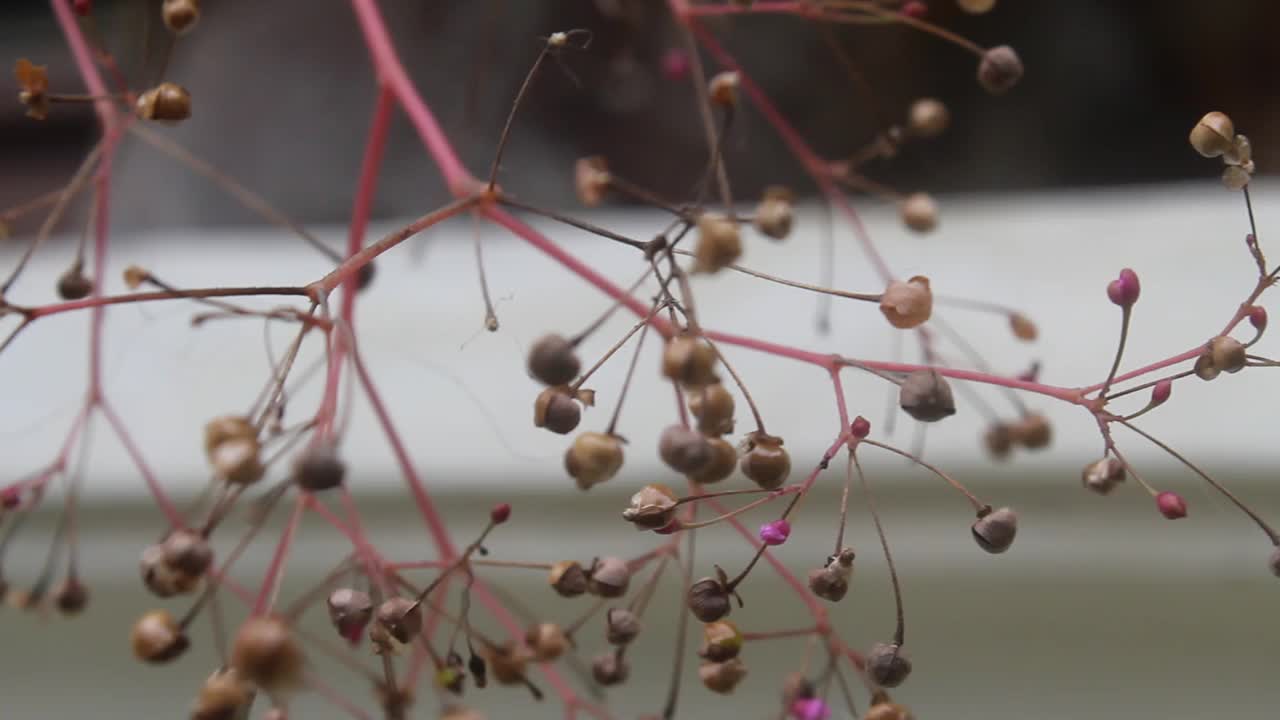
1102,610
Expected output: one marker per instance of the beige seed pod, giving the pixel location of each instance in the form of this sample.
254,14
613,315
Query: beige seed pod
547,641
888,664
721,640
708,599
652,507
71,596
1235,177
157,638
712,405
887,710
593,458
187,552
722,677
1213,135
723,88
166,102
690,361
928,117
719,243
919,212
567,578
907,304
266,654
999,70
609,577
775,214
237,461
224,696
591,180
765,462
553,360
1032,431
180,16
1102,476
1227,354
998,440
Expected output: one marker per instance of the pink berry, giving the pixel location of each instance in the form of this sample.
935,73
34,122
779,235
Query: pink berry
1171,505
1124,290
810,709
500,513
675,64
1160,393
776,532
860,428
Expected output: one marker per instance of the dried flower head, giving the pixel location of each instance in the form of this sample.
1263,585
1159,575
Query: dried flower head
157,638
999,70
831,581
887,664
553,360
919,212
926,396
593,458
609,577
567,578
1213,134
509,664
764,461
1102,476
591,180
653,506
266,654
621,626
994,530
401,618
1227,354
719,243
722,677
690,361
907,304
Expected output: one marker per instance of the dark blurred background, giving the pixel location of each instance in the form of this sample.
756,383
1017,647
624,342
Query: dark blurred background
282,96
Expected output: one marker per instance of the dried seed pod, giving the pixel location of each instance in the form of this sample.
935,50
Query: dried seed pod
724,458
266,654
708,599
907,304
719,243
609,577
723,88
1204,367
928,117
547,641
1235,177
722,677
654,506
318,468
224,428
157,638
888,665
224,696
621,626
721,640
74,284
166,102
690,361
507,664
556,411
553,360
180,16
1240,153
831,581
163,579
34,81
999,70
994,530
775,214
187,552
591,180
1227,354
567,578
765,462
236,461
1102,476
998,439
71,597
610,668
593,458
1032,431
713,407
458,712
919,212
1022,326
350,611
683,449
926,396
1213,135
401,617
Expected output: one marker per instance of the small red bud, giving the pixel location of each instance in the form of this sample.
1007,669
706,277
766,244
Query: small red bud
1171,505
1124,290
860,428
500,513
1160,393
1258,317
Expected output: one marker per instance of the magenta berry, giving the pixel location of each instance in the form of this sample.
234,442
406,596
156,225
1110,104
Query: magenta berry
776,532
1171,505
1124,290
675,64
500,513
860,428
810,709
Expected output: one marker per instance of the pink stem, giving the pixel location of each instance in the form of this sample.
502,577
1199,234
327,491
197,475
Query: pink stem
157,492
276,569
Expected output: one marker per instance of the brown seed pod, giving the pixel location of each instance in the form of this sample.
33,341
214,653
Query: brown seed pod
919,212
1213,135
1023,328
775,214
690,361
567,578
71,597
721,640
1032,431
319,468
591,180
713,407
887,710
226,427
719,243
723,88
556,410
1204,367
994,530
722,677
765,462
266,654
166,102
609,577
350,611
547,641
156,638
593,458
829,583
708,599
507,664
621,626
683,449
401,617
553,360
653,506
1227,354
74,284
907,304
162,578
888,664
998,439
187,551
928,117
610,668
237,461
926,396
1102,476
224,696
724,458
180,16
999,70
